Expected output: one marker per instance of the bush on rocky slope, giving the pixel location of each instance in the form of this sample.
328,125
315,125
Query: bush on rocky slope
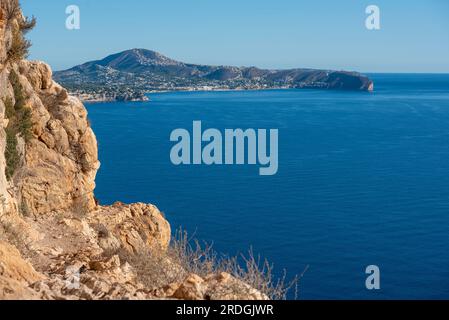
20,46
19,117
186,257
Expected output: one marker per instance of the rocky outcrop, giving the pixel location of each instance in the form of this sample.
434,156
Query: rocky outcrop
14,267
61,161
5,198
220,286
56,242
16,274
133,227
71,258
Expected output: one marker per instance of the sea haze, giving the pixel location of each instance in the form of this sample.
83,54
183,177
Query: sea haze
363,179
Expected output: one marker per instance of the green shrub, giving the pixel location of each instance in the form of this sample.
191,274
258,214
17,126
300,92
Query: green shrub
9,108
11,155
27,24
19,46
24,210
21,119
19,124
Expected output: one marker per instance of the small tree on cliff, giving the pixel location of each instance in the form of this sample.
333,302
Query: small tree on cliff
20,123
20,45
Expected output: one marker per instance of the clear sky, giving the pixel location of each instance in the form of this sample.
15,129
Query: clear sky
414,35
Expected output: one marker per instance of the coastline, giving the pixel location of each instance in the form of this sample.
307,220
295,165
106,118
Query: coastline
92,98
148,99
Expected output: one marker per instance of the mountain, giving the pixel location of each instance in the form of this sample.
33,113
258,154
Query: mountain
137,71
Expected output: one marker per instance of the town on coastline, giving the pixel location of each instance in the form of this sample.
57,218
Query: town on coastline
133,74
111,94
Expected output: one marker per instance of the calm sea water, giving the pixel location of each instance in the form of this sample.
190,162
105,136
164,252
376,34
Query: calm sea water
363,179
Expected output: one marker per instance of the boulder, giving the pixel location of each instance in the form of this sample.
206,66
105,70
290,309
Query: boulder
221,286
137,227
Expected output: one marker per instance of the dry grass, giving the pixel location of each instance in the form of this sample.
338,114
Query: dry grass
192,255
202,259
259,274
187,255
153,270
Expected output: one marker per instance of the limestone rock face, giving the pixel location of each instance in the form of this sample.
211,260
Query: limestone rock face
13,266
16,275
62,160
5,198
2,34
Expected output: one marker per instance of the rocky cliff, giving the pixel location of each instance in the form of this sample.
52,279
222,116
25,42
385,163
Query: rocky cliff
56,242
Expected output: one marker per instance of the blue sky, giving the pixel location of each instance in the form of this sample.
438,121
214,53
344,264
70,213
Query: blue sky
414,35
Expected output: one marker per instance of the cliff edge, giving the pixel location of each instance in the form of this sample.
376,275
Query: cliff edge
56,242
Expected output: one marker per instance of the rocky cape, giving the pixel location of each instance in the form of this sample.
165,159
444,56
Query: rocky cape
130,74
56,241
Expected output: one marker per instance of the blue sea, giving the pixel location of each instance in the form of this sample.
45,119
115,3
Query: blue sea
363,180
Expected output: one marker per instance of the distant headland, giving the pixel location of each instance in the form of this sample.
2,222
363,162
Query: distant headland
131,74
